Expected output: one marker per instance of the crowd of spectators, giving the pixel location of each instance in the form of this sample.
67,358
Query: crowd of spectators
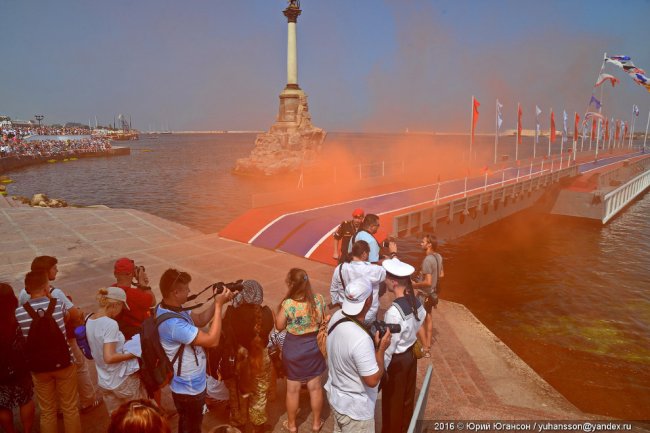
26,131
244,349
12,144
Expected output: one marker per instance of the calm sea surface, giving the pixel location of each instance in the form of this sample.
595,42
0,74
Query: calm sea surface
572,298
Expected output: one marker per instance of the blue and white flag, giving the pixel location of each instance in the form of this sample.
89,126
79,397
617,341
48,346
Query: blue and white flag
499,115
635,110
595,101
565,132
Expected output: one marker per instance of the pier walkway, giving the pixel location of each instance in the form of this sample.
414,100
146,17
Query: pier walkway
476,376
304,232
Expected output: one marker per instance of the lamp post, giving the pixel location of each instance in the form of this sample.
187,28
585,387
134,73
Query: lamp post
39,117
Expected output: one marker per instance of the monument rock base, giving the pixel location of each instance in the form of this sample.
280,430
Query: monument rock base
291,142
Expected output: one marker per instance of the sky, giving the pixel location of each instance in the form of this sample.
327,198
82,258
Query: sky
366,65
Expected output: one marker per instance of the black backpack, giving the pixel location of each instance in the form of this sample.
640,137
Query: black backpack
13,363
46,347
156,370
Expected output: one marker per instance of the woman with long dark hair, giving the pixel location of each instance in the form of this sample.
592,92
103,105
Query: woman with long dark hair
301,313
16,388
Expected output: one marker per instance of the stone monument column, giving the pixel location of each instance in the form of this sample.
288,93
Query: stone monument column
292,141
292,12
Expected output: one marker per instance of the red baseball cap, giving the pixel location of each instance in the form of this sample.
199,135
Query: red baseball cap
358,212
124,266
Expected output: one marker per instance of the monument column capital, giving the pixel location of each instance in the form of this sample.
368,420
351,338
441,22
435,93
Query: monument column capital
292,13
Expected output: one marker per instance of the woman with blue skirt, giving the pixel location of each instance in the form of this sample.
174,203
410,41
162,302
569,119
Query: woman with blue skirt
301,313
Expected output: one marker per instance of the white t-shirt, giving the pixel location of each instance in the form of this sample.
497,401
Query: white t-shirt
353,270
399,343
350,355
105,330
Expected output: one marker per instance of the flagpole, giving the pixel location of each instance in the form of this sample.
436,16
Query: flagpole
496,124
549,135
646,131
633,123
597,140
517,142
471,135
609,139
629,141
536,133
574,136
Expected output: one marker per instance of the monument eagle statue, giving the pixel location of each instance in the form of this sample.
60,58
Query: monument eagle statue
294,4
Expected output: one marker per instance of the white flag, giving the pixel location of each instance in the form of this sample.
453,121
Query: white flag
565,133
499,115
635,110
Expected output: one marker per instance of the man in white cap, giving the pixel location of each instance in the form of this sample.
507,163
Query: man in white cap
398,387
355,366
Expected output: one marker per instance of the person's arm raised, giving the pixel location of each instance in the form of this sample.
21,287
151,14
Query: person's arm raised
211,338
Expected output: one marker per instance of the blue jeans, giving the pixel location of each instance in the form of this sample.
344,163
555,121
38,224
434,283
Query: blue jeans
190,411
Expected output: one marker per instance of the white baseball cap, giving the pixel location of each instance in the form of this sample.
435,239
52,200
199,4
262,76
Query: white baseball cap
355,295
117,294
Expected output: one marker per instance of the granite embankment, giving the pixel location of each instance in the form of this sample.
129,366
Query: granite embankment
476,376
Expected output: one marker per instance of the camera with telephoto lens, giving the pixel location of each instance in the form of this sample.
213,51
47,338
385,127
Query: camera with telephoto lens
234,286
383,327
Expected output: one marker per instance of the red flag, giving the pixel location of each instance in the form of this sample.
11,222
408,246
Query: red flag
625,130
576,127
593,128
475,105
607,129
617,134
552,127
519,113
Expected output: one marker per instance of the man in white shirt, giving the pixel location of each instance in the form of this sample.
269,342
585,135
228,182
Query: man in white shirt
359,267
355,367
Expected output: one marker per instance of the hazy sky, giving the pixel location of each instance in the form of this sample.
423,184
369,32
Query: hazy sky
367,65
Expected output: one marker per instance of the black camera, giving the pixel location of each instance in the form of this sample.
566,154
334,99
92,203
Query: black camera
383,327
235,286
217,289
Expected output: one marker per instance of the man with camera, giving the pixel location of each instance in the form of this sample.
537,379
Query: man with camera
398,386
355,366
183,341
359,267
139,297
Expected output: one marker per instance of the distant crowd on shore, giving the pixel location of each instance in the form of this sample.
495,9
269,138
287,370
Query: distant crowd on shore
13,145
141,346
24,131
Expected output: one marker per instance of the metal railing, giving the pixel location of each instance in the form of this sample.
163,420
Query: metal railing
619,198
420,405
477,200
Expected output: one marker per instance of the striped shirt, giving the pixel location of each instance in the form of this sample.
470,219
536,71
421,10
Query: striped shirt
25,320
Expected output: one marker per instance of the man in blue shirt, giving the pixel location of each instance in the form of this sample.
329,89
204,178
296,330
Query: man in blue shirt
182,336
369,227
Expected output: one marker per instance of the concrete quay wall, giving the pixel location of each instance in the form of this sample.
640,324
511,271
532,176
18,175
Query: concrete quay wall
13,163
476,376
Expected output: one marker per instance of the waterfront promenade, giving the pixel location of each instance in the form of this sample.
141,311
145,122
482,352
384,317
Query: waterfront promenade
475,375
